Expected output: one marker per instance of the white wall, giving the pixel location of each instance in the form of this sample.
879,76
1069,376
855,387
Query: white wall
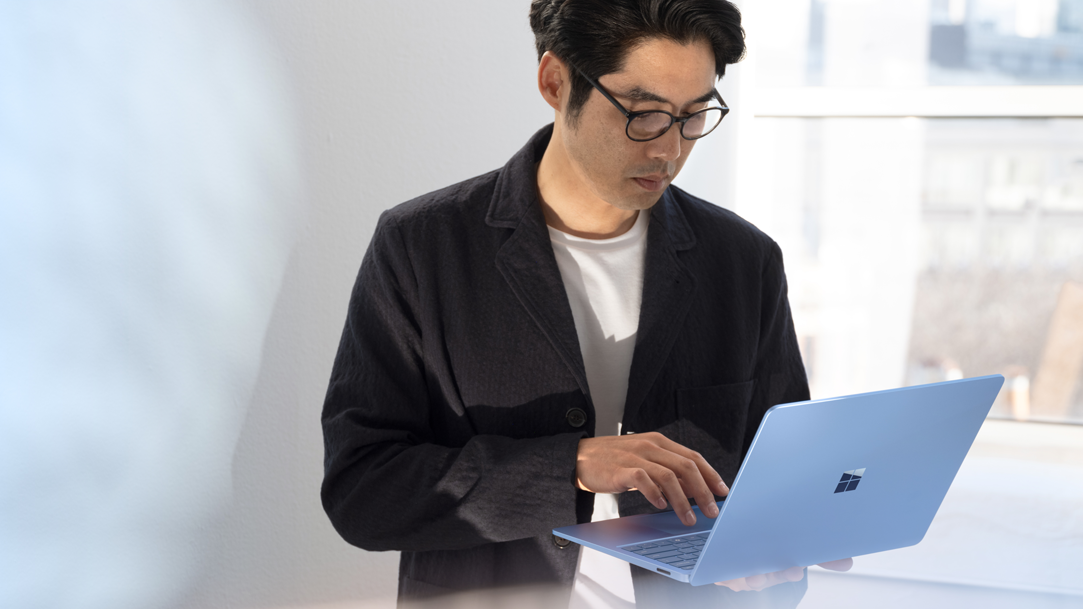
395,99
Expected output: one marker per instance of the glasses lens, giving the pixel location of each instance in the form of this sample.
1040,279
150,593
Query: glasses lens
649,125
701,123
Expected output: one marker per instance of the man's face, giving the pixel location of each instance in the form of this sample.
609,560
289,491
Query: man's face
658,75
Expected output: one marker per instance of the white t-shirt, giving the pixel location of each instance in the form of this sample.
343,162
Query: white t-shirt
604,282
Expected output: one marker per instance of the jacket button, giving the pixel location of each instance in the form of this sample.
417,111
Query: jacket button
560,542
576,417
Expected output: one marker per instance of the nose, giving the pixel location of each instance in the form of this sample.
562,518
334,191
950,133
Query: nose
668,146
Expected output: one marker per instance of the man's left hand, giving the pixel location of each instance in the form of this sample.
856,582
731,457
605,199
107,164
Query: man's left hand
793,574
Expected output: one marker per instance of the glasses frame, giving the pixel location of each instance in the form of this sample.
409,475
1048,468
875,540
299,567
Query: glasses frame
631,116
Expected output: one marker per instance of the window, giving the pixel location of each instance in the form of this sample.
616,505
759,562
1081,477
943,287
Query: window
920,162
928,195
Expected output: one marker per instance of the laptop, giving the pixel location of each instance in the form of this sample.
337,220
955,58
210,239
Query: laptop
823,480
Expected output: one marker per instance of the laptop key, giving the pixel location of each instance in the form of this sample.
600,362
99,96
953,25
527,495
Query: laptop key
686,565
664,555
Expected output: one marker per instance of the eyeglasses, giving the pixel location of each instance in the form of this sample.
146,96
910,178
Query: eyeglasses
653,124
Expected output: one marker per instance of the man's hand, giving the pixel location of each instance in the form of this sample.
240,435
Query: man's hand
793,574
655,466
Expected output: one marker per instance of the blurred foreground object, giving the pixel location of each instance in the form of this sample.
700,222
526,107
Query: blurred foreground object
522,597
147,198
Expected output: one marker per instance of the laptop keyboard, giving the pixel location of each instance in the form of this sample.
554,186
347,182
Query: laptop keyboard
679,552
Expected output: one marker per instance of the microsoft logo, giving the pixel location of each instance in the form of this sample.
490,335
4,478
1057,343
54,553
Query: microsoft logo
849,480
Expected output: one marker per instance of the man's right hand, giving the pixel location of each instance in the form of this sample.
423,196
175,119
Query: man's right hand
655,466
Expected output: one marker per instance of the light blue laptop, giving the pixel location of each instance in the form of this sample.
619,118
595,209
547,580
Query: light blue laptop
823,480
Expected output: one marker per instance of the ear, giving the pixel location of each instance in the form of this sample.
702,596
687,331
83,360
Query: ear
553,82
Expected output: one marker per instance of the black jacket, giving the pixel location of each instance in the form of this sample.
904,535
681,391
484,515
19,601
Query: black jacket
454,408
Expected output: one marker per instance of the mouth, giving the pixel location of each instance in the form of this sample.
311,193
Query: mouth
652,183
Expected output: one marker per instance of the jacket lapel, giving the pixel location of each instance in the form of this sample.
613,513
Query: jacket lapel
526,259
668,290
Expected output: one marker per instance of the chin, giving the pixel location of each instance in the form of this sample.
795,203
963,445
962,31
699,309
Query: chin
637,202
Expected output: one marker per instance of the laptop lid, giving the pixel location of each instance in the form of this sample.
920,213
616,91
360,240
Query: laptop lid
829,479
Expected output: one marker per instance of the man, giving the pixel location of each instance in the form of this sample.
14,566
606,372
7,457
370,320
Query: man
566,326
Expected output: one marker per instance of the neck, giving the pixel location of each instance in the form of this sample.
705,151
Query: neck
568,203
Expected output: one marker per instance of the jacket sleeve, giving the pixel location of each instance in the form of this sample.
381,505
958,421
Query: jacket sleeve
779,371
388,484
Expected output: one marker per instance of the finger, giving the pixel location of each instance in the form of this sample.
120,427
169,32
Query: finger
708,473
737,585
844,564
710,476
638,479
757,582
764,581
669,483
690,477
696,486
793,574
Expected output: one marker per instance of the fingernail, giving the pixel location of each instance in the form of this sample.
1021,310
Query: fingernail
690,516
722,487
712,510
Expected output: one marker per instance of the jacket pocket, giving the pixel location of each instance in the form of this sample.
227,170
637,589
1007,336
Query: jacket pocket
715,417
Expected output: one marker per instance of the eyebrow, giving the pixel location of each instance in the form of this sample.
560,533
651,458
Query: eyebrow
643,95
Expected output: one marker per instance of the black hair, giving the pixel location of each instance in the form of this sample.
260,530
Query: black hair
595,36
